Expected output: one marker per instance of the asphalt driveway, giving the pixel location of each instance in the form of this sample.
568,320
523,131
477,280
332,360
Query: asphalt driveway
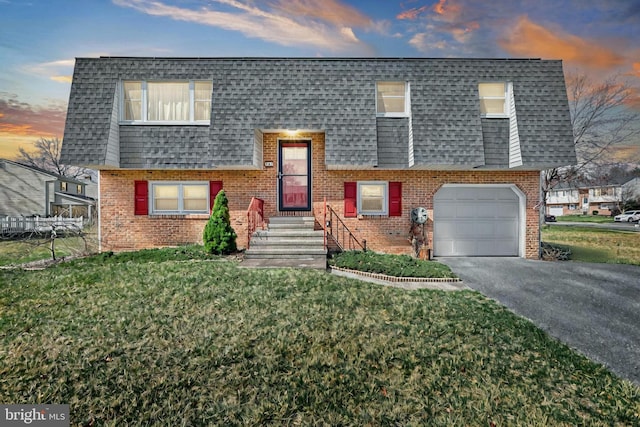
594,308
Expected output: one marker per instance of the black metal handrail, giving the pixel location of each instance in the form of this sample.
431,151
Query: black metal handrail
338,230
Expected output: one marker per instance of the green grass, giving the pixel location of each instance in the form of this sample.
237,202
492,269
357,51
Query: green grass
391,265
595,244
15,252
600,219
163,340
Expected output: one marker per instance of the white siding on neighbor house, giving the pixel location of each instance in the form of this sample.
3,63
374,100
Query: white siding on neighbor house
557,197
605,195
24,191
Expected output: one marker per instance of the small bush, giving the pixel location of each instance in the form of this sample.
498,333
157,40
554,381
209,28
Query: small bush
391,265
218,236
555,252
595,212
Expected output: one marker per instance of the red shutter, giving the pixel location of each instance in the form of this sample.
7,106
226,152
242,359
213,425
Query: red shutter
141,200
350,199
395,199
214,189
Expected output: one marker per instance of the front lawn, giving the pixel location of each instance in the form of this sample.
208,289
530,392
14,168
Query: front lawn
20,251
595,244
168,340
600,219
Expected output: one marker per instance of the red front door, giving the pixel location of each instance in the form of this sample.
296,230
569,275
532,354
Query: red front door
294,175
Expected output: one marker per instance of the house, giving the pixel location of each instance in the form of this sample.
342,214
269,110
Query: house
30,191
374,137
564,199
592,198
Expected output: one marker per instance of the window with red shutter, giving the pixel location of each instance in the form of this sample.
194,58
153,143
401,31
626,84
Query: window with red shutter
141,198
214,189
350,199
395,199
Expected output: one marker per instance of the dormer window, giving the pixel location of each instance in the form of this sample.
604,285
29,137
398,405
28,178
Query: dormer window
392,99
493,99
172,102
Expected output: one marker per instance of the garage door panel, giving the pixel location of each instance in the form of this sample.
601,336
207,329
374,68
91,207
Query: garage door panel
484,229
463,212
484,210
463,194
506,230
476,221
507,210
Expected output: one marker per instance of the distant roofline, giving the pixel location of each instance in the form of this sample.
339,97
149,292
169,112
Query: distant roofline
294,58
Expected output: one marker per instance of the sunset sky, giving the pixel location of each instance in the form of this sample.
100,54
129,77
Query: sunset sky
39,39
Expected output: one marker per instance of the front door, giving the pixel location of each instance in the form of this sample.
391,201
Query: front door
294,175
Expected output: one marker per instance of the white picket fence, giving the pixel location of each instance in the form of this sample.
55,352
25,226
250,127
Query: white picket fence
16,225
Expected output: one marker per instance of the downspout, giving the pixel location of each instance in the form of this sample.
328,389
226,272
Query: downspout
541,212
99,218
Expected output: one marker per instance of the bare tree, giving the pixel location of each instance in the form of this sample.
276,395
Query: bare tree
601,119
47,156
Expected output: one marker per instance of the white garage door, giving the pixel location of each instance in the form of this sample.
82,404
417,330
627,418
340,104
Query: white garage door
476,221
556,211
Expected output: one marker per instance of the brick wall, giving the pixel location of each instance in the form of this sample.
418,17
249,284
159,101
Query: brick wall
122,230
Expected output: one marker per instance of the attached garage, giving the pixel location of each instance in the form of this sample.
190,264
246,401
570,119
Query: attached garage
479,220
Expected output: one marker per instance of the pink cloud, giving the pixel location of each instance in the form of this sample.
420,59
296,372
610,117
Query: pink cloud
411,14
528,39
22,119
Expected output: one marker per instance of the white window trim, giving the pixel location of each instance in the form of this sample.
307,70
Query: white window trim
143,101
507,91
385,198
181,210
407,100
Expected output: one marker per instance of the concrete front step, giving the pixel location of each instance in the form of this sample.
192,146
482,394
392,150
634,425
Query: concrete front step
292,222
270,251
280,242
288,240
288,233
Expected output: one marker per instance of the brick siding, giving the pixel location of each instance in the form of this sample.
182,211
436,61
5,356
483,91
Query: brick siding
122,230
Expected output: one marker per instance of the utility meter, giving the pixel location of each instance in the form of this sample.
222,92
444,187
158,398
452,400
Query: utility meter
419,215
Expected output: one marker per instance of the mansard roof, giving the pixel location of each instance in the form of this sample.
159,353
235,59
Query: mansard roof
332,95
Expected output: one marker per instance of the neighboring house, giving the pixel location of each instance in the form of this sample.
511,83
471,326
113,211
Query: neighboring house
30,191
600,199
585,199
464,138
563,200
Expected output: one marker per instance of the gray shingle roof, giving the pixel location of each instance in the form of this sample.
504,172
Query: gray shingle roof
336,96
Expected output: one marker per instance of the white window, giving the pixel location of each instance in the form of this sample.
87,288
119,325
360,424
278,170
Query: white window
179,197
63,186
493,99
392,99
373,197
186,101
79,189
573,207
